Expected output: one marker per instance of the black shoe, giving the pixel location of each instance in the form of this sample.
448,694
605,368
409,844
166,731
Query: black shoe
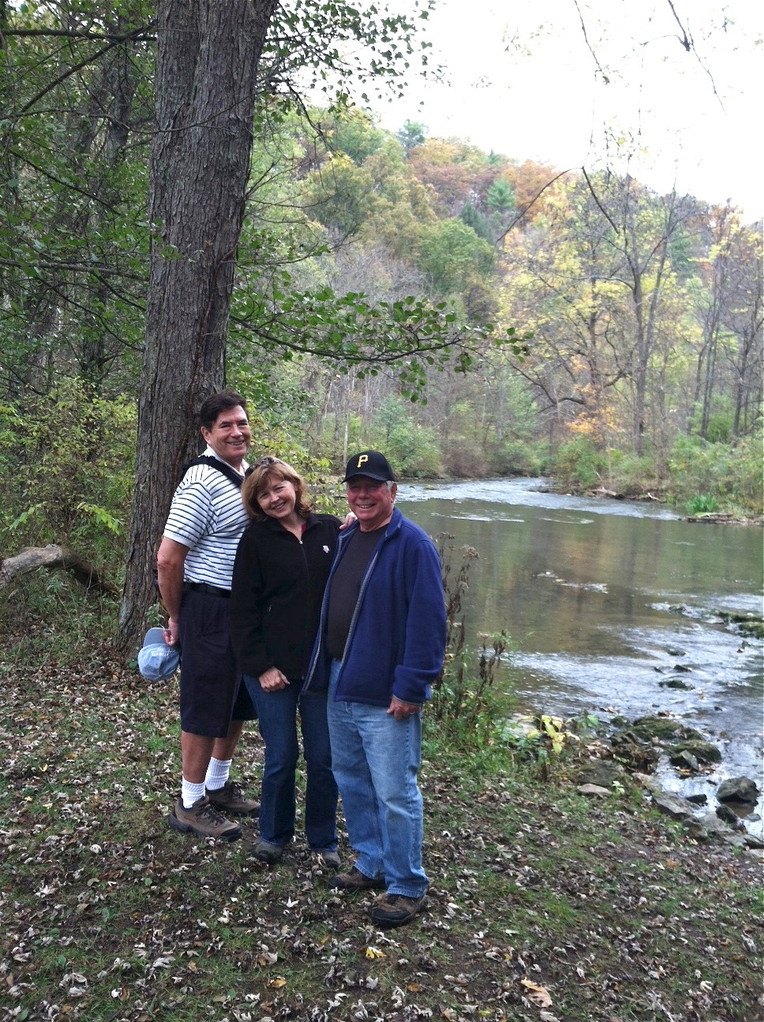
395,909
330,859
266,852
355,880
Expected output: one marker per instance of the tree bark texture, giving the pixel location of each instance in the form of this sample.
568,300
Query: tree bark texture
207,58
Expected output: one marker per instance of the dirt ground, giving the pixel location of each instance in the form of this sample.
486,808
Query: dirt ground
545,904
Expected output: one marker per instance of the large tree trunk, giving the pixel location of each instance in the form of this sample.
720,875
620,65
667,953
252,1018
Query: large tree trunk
208,53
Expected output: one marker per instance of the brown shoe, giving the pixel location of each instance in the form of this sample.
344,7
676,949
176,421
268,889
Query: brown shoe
230,799
203,819
355,880
395,909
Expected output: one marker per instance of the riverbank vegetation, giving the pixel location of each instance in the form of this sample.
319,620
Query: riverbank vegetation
546,904
576,325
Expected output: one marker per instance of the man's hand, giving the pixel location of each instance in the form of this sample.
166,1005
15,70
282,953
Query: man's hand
171,632
401,710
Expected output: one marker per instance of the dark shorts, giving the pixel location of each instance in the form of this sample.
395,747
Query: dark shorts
210,691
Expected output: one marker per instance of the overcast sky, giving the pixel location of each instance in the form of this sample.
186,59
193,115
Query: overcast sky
524,80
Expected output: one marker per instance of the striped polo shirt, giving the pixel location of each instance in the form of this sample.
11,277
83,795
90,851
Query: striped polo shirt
208,517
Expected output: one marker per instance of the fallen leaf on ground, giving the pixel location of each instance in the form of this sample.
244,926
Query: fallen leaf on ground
538,995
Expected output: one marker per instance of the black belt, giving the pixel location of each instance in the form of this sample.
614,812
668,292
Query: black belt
202,587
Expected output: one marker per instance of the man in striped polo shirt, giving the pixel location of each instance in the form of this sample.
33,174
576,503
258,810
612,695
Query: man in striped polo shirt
195,565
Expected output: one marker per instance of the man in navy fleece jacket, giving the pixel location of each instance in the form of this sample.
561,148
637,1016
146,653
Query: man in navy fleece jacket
380,646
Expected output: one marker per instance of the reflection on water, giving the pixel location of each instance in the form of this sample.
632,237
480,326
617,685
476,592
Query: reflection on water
608,601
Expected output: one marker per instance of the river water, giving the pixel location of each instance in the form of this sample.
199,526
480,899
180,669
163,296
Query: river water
606,601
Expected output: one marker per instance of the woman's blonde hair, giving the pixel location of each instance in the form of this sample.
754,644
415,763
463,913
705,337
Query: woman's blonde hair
257,481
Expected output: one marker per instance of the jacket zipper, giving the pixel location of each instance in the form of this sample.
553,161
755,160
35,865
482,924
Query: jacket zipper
324,602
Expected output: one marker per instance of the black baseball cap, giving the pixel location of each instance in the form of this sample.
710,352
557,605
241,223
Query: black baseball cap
371,464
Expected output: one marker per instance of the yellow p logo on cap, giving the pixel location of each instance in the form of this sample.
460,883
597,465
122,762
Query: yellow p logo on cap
361,459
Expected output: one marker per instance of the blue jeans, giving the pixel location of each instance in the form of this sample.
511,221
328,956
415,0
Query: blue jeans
277,719
375,759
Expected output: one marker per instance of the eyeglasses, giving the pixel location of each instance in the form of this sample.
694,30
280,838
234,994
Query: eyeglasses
267,461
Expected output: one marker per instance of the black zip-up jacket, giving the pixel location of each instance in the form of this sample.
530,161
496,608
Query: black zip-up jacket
276,593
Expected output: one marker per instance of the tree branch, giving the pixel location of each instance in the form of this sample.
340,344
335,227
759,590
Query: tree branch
685,40
54,556
135,36
600,207
529,205
70,33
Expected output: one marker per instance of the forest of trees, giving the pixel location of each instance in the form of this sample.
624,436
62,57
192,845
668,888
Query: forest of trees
471,313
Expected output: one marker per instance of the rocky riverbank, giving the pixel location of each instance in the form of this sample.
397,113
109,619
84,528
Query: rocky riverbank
646,749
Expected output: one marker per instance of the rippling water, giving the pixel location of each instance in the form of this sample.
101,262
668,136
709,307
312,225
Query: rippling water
607,602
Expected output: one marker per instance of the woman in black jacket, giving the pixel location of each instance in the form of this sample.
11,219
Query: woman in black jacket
279,575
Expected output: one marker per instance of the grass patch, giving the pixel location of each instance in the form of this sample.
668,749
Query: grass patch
544,904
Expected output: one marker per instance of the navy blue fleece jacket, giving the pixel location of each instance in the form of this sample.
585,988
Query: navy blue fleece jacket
397,636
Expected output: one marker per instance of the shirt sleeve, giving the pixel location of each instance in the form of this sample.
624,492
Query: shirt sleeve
191,513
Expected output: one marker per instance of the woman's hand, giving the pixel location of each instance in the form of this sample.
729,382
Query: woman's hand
273,680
